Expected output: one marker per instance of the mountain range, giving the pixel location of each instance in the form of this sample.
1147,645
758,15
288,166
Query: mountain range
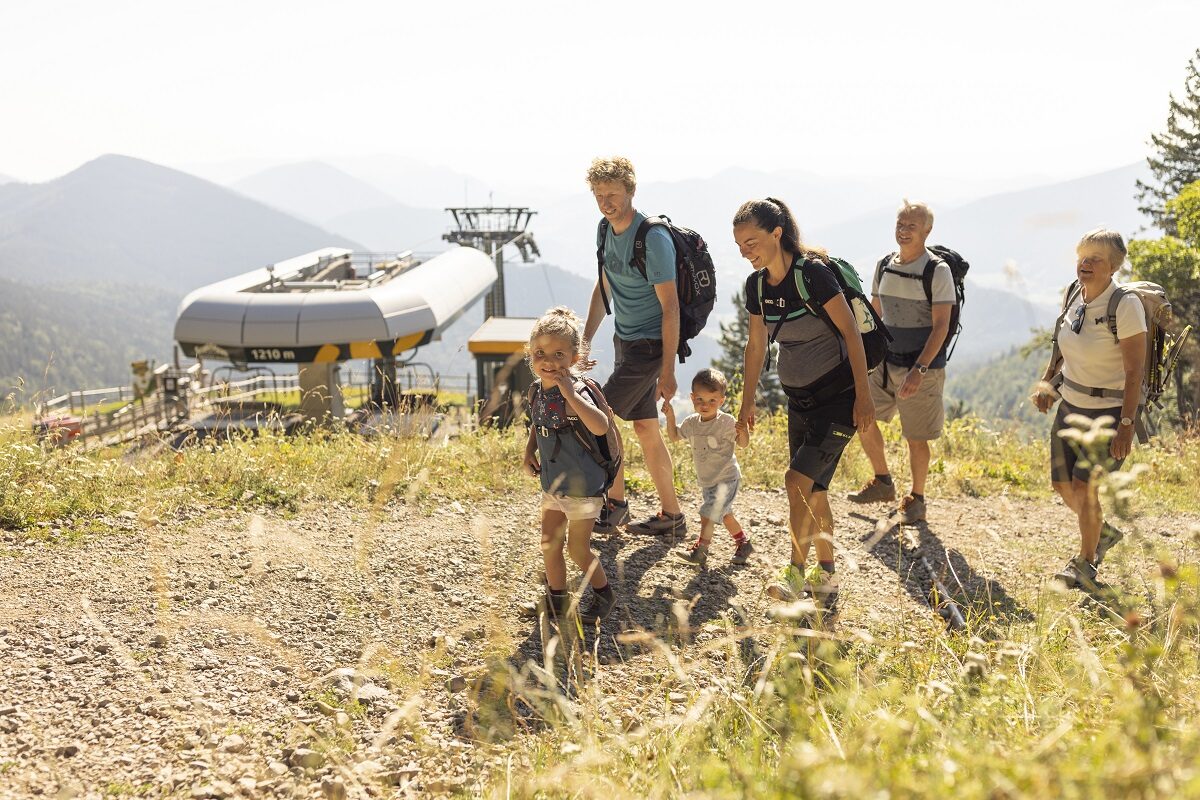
123,220
150,233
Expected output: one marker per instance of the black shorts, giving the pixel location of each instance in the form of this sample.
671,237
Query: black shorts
818,433
1067,461
632,388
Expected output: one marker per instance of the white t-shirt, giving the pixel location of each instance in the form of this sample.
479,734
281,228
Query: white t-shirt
712,447
1091,357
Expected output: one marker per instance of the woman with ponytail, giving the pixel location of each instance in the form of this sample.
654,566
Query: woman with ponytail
823,370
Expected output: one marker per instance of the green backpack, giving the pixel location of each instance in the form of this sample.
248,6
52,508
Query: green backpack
875,334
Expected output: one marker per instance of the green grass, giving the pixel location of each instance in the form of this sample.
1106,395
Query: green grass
41,485
1075,704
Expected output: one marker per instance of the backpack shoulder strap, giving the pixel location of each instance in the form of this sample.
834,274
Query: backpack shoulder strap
1068,297
638,259
1114,300
883,262
596,393
601,240
806,294
927,275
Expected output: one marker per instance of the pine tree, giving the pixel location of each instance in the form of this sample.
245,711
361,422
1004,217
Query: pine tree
733,346
1176,161
1174,263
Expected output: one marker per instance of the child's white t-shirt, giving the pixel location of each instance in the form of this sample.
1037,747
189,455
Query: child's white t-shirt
712,447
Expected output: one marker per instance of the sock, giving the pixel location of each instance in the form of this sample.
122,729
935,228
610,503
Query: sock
606,590
557,592
920,497
827,566
885,479
673,516
739,537
621,503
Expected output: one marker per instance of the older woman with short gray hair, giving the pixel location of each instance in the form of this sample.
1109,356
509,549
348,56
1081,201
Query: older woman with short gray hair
1096,369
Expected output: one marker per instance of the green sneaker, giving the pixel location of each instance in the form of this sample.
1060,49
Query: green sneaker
823,590
788,585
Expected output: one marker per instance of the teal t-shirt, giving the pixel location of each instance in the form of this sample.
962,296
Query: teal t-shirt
636,308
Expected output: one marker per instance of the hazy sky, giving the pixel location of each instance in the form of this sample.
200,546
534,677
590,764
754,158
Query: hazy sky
531,90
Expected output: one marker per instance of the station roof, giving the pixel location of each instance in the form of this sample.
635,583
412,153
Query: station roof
501,336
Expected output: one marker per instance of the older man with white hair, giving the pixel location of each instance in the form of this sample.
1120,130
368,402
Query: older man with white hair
912,378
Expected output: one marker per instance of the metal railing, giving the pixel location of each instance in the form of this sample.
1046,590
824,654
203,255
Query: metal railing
116,414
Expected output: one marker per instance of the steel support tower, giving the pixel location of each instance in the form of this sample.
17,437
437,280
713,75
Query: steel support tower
491,230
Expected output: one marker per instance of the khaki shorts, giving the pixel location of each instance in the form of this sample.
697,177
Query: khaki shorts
573,507
923,414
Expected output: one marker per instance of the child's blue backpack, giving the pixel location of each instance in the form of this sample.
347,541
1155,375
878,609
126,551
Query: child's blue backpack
605,450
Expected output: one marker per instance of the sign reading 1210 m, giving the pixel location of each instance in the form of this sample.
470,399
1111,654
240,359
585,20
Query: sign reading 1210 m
271,354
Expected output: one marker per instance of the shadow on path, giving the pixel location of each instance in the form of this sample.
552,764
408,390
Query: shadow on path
920,558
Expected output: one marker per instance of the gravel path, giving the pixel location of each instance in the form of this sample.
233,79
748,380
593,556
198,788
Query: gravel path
347,652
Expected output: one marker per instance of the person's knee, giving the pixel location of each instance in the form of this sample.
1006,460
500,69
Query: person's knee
581,552
797,482
1073,493
647,429
920,446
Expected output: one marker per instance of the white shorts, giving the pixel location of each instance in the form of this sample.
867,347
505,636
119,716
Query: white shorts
573,507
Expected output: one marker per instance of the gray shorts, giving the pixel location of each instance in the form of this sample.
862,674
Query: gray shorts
922,415
632,388
718,500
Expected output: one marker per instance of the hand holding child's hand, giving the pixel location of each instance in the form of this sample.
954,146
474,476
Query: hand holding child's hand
668,411
586,363
531,465
742,428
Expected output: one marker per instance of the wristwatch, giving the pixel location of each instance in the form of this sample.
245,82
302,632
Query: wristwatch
921,368
1126,421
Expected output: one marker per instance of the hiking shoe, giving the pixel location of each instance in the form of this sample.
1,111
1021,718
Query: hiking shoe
825,595
1078,574
912,510
875,491
696,555
612,516
1109,536
555,606
742,554
598,607
659,524
788,585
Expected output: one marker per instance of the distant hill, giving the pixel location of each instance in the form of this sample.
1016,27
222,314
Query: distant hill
531,289
58,339
5,179
415,182
120,219
998,390
312,190
395,227
1022,241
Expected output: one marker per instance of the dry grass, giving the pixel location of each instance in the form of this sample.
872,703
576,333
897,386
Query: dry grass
1086,700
